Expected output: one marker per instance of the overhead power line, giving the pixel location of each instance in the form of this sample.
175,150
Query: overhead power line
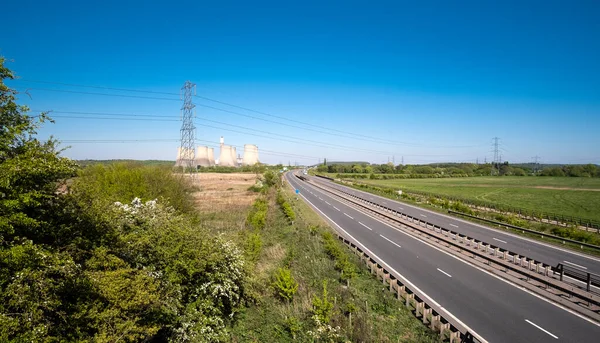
328,130
262,133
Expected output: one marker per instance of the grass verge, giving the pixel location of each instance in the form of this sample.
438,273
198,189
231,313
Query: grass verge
328,295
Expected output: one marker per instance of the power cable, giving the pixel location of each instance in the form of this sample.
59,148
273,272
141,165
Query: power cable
346,133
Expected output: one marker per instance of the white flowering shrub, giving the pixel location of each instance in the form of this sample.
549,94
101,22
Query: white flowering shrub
208,271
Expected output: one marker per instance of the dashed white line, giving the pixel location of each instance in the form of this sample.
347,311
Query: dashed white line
541,328
365,226
576,265
327,203
443,272
402,208
385,203
422,215
347,215
454,225
320,198
499,240
389,240
336,208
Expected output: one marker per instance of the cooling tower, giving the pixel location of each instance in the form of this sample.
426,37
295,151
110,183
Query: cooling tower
234,156
211,156
250,155
183,156
226,158
202,156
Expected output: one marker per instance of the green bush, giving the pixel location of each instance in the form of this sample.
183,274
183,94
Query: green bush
289,212
322,306
125,181
252,247
257,217
284,284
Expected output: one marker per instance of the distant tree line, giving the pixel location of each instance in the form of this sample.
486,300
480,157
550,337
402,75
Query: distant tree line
460,170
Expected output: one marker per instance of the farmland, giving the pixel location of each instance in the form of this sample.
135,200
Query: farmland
561,195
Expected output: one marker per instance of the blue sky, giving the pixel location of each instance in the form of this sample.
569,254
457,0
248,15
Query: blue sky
430,81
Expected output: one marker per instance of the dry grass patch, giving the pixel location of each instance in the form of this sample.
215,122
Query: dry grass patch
224,192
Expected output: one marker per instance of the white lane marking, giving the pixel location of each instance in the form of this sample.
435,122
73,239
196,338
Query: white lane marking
327,203
541,328
385,203
473,266
423,215
365,226
320,198
443,272
336,208
402,208
389,240
454,225
465,262
573,264
347,215
499,240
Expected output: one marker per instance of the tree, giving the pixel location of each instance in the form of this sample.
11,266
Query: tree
30,170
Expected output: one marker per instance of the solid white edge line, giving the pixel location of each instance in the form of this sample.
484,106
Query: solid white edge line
389,240
410,284
541,328
486,227
443,272
499,240
573,264
483,270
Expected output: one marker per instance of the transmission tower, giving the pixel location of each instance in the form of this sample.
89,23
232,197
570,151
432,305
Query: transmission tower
188,130
496,162
536,160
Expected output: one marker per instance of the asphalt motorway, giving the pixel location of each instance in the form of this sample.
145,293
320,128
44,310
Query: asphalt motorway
539,251
492,308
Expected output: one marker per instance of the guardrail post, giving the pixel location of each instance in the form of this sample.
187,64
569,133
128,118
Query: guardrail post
589,281
419,307
547,272
505,255
391,285
455,337
426,311
408,298
478,245
496,252
530,264
434,320
515,258
562,271
443,328
400,290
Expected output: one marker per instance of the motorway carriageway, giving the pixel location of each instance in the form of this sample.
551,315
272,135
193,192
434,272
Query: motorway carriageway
491,307
539,251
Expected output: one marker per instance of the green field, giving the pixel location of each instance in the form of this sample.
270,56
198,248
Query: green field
578,196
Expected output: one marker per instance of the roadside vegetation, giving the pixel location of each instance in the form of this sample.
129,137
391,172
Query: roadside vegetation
306,286
442,204
127,252
445,170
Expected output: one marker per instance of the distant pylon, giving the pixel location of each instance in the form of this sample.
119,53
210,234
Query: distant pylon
496,162
188,130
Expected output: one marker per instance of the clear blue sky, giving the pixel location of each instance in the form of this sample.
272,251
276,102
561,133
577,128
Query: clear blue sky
438,78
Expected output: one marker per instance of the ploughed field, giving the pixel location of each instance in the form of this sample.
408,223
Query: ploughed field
569,196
